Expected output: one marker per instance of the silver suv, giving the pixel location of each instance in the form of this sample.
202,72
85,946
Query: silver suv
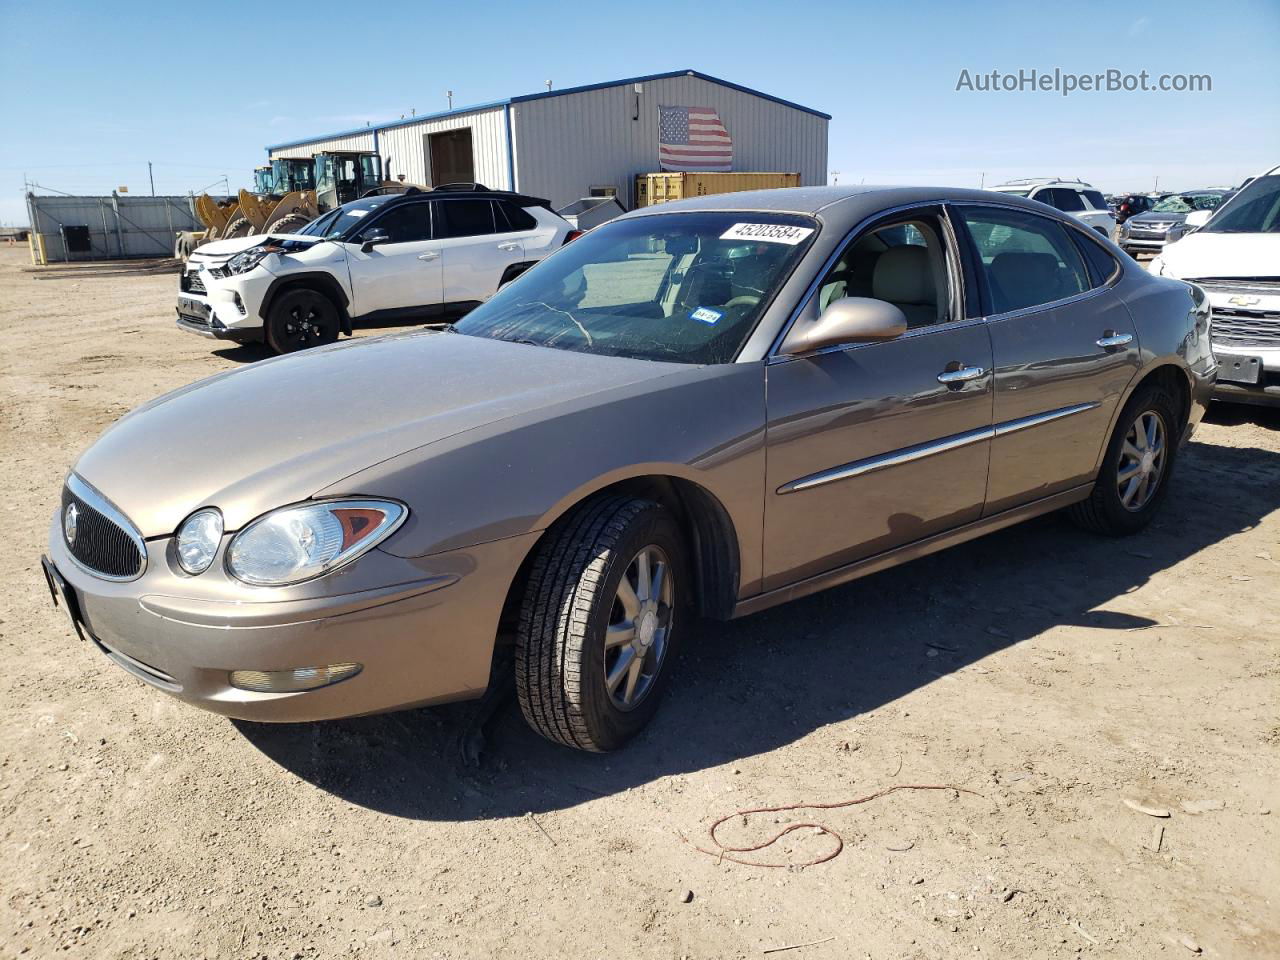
1075,197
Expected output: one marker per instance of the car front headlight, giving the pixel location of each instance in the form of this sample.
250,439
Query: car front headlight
308,540
198,540
246,260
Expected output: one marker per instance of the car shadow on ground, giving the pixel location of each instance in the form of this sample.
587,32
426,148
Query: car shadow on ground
750,686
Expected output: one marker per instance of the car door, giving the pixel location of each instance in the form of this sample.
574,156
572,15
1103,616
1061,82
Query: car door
477,248
402,269
1064,348
871,446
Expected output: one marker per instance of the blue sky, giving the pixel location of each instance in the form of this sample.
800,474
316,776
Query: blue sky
90,91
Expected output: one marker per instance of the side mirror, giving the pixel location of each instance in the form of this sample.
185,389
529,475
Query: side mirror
371,239
1197,219
847,320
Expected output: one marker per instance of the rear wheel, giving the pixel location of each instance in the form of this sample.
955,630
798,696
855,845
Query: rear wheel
299,319
1137,467
600,609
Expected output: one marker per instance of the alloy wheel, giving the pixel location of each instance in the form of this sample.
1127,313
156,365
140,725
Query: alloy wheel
1143,456
639,630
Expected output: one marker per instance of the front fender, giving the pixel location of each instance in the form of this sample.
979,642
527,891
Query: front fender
516,476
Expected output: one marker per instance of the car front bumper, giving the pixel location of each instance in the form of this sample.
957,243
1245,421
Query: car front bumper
1145,240
225,309
425,637
1244,329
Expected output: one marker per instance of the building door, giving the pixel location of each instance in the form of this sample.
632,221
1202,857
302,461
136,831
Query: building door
450,157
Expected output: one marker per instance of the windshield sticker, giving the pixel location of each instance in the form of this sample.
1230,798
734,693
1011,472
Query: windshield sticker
767,232
706,315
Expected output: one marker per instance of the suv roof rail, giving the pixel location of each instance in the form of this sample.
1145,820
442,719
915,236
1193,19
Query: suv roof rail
469,187
1029,181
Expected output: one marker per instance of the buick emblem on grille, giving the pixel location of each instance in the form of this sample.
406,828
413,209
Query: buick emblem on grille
69,520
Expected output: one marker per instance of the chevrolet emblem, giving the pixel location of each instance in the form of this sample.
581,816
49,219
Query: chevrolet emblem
1245,301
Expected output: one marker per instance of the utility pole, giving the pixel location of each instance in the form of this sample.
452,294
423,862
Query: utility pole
982,180
1155,187
449,94
151,176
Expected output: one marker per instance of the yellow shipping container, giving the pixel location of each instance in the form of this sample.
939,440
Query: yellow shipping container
654,188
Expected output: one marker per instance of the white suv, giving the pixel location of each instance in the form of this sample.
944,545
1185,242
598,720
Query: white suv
380,257
1070,196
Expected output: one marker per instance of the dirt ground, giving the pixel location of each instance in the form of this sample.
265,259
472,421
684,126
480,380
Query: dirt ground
1056,674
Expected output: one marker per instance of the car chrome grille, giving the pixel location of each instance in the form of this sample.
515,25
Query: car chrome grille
191,283
1258,286
101,545
1229,327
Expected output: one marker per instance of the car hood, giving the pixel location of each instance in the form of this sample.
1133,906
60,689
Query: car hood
1209,254
1150,217
277,432
225,248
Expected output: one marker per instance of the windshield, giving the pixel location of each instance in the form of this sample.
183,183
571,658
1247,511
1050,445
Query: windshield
1255,209
336,223
679,287
1186,202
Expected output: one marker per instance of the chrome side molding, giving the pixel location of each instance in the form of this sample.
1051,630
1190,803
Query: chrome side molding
918,452
1035,420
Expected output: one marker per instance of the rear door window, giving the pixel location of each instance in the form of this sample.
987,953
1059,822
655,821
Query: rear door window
1027,260
464,218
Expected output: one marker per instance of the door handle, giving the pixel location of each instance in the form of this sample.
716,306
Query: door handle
1113,339
508,246
960,375
429,255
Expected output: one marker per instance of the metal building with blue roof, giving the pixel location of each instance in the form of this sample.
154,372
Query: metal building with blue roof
582,141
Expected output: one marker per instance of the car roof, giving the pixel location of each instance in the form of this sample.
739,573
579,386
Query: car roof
414,194
833,204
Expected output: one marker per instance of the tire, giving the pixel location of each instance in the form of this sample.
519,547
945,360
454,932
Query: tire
239,227
573,601
290,223
1106,511
301,318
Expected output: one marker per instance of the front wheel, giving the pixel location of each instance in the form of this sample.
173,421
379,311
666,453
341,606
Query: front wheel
600,611
299,319
1136,468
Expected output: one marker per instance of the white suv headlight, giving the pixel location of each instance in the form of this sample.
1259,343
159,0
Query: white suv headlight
309,540
246,260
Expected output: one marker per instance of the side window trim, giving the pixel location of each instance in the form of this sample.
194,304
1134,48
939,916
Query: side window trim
987,304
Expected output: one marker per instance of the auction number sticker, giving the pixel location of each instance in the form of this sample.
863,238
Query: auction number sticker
706,315
767,232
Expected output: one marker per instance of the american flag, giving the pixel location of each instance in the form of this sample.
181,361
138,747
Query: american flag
693,138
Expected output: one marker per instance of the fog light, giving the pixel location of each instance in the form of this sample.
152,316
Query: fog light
293,681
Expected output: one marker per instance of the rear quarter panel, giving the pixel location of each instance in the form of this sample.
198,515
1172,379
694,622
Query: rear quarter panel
1171,332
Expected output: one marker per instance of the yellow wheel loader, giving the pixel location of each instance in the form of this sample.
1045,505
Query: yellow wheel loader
288,194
